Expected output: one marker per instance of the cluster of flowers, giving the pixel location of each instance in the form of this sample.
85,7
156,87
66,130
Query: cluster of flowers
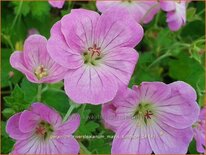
95,56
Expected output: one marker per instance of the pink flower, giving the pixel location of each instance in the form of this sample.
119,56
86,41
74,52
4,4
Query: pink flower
153,117
199,131
36,63
176,13
57,3
40,130
97,50
142,11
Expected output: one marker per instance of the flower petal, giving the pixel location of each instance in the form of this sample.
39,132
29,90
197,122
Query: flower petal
28,121
184,89
78,29
70,126
90,85
17,62
178,112
47,114
116,28
167,5
104,5
67,145
12,128
200,140
121,63
60,51
167,140
153,92
129,140
35,52
57,3
27,146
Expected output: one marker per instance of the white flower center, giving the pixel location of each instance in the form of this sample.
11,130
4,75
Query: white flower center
40,72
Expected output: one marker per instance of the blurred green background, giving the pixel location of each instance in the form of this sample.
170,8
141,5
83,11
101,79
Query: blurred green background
164,56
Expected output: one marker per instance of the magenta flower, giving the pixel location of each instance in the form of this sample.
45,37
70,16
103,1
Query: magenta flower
153,117
176,13
36,63
199,131
40,130
98,50
57,3
142,11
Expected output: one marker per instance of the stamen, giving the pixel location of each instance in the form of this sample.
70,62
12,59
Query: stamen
44,130
40,72
148,114
94,50
40,130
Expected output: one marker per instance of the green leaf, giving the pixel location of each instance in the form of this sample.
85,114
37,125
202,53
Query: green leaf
7,70
25,8
57,99
16,100
29,89
187,69
99,146
8,112
40,10
6,142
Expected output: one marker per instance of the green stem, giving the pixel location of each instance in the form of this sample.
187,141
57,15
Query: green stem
84,149
17,14
39,92
71,108
156,20
7,38
83,107
159,59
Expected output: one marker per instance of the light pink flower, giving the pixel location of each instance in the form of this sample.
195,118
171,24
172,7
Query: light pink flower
36,63
98,50
199,129
176,13
57,3
142,11
153,117
40,130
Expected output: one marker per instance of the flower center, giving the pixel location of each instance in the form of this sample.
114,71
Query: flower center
40,72
144,112
128,1
92,55
44,130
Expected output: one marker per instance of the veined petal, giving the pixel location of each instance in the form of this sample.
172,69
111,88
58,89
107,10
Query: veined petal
12,128
35,52
28,121
121,63
70,126
47,114
95,85
78,29
17,62
164,139
178,112
27,146
129,139
66,145
153,92
184,89
116,28
59,50
104,5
